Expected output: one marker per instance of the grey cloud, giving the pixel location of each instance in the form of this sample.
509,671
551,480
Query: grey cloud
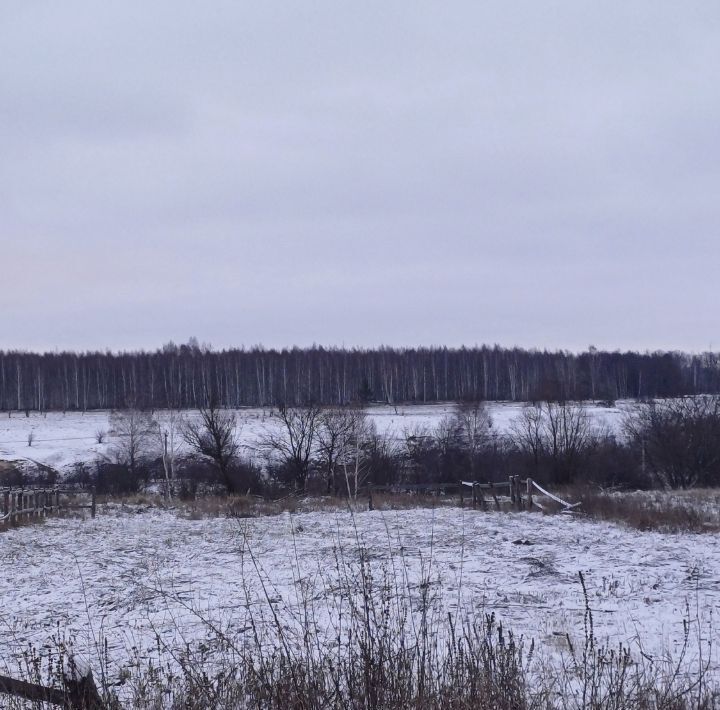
536,173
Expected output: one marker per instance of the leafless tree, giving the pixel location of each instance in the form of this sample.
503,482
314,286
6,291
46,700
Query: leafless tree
356,436
168,434
474,425
133,431
558,431
567,432
337,428
526,432
214,435
293,441
448,435
420,453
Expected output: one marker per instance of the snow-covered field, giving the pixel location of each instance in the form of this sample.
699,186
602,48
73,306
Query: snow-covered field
60,440
131,574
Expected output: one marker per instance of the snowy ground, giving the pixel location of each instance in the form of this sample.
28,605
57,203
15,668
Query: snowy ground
60,440
128,575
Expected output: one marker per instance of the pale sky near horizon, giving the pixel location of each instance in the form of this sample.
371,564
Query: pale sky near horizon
542,174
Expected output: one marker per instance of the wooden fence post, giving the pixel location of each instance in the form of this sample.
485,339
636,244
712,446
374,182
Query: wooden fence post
518,494
492,492
481,496
529,493
370,500
79,693
31,691
462,494
474,496
93,504
57,500
6,507
82,693
512,490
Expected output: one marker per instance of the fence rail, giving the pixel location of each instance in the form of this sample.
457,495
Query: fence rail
79,692
27,504
520,492
518,499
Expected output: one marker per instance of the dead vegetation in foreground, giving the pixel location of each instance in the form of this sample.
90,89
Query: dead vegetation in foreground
394,650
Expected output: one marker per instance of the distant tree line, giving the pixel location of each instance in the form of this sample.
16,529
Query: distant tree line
186,376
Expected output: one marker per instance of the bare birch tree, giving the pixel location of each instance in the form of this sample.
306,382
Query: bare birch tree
168,435
356,434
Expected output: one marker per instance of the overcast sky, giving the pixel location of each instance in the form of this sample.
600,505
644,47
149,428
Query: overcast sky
528,173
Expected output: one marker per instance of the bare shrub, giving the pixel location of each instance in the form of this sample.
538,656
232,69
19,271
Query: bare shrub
215,437
678,439
555,436
293,443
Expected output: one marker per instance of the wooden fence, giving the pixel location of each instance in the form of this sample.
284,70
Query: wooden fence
22,505
79,692
521,493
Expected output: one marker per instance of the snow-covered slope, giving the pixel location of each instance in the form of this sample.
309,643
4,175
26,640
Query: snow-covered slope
60,440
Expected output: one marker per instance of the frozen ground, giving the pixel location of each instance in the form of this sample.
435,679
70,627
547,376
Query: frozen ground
60,440
129,575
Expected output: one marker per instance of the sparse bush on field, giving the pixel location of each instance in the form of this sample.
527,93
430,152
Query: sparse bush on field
119,479
197,477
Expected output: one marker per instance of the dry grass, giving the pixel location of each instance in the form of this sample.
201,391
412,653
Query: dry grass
395,651
22,523
403,501
696,511
248,506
